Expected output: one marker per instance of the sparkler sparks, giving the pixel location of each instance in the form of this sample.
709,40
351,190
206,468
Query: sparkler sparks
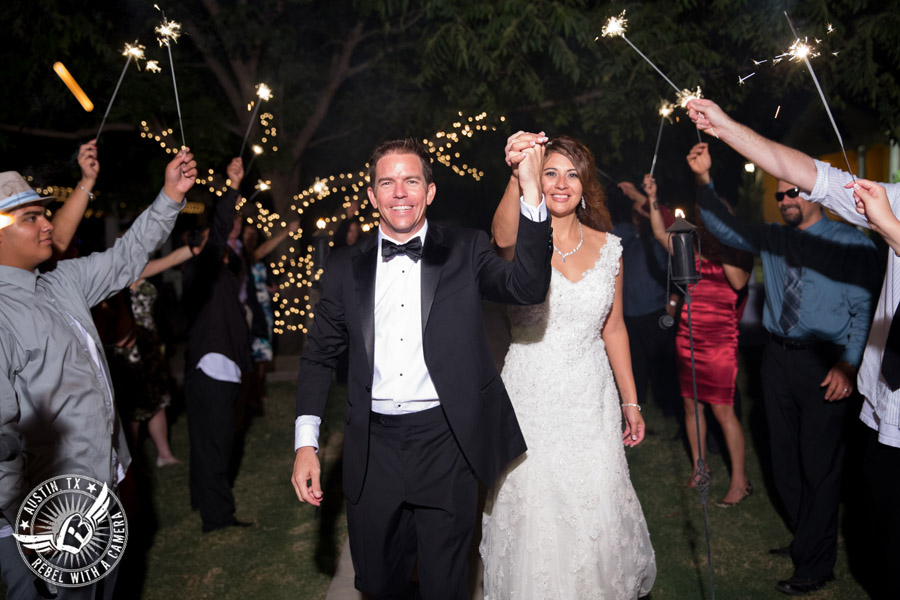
684,96
615,26
136,52
169,31
802,51
131,52
152,66
257,150
264,93
665,110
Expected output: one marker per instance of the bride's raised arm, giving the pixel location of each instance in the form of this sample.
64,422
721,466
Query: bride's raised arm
505,225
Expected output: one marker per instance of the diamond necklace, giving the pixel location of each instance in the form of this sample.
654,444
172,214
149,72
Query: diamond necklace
573,250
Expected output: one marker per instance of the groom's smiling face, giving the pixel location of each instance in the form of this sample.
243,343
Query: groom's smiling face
401,194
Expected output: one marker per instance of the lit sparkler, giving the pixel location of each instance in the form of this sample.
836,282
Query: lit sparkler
152,66
257,150
801,51
6,221
684,97
169,32
261,186
615,27
264,93
136,53
665,111
741,80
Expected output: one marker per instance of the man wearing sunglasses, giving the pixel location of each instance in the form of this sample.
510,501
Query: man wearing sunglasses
866,204
818,282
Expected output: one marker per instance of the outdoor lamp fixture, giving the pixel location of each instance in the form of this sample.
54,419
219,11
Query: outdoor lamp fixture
681,246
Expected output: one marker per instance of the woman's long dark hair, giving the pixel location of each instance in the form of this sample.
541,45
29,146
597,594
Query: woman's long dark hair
596,215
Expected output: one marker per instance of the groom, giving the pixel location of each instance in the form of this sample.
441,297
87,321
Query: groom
426,410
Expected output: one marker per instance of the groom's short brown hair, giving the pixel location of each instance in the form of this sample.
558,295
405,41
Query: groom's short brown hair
405,146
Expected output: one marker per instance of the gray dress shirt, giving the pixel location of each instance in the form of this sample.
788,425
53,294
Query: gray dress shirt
56,402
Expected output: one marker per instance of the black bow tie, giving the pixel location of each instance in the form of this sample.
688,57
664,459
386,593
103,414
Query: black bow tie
412,249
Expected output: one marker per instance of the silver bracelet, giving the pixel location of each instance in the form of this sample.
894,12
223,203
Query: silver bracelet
637,406
90,195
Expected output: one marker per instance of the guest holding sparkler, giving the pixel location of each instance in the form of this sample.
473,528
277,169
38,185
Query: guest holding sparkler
563,521
818,281
871,205
218,350
717,305
56,408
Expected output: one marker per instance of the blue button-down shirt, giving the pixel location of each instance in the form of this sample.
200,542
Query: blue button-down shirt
838,275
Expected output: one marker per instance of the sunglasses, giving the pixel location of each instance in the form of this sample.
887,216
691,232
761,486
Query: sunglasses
791,193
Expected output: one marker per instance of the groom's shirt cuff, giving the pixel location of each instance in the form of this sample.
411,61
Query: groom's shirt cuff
306,431
538,213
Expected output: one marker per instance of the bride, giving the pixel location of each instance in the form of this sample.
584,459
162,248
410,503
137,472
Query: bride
564,522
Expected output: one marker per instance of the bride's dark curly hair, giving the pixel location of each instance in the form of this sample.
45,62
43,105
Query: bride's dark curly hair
596,215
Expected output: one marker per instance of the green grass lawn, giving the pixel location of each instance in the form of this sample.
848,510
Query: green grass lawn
292,550
739,537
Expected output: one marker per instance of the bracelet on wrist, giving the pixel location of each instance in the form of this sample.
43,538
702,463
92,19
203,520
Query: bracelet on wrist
89,194
637,406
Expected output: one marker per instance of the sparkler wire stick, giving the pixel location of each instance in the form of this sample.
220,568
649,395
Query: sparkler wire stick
824,101
605,174
257,150
664,111
249,127
662,121
169,32
264,93
650,62
136,52
177,103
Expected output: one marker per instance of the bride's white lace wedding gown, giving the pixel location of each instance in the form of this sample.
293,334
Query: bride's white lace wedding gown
564,522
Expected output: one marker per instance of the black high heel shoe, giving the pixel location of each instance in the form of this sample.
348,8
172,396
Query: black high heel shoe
747,491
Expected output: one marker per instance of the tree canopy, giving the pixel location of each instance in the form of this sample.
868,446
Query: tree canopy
348,73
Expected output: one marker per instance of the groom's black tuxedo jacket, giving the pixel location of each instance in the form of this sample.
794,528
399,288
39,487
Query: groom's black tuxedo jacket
459,268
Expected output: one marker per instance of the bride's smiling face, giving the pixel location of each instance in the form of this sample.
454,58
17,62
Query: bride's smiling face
561,185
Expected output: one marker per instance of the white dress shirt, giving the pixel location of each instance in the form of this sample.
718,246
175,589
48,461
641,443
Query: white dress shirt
881,409
401,383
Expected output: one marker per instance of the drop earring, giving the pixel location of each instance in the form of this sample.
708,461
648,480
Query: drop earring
583,204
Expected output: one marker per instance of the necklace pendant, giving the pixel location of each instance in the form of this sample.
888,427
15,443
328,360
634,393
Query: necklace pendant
564,259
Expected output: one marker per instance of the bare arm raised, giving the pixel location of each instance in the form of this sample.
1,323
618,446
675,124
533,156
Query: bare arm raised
506,218
775,159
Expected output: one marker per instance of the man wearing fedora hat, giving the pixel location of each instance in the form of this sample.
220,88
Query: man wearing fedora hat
57,415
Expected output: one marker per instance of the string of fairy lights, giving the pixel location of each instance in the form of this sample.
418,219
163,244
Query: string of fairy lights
297,269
